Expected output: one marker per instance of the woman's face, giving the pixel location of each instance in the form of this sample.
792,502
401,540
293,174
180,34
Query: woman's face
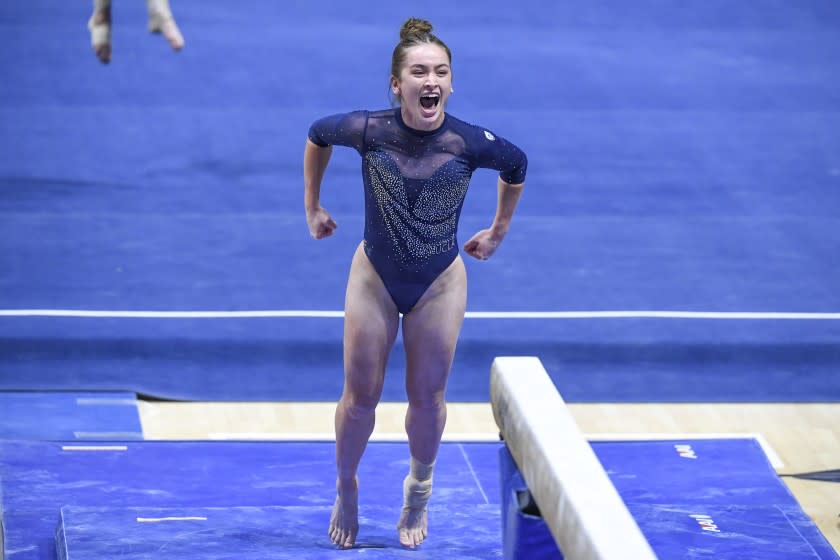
423,86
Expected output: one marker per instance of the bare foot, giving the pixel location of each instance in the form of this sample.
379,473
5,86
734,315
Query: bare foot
413,526
99,25
161,21
344,521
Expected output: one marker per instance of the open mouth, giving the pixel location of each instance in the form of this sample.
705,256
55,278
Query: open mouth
429,100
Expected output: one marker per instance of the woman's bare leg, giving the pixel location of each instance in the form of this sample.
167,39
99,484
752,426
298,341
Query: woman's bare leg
430,333
99,25
161,21
371,322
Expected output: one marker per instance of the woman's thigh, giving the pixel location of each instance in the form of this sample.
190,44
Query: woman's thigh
371,321
430,334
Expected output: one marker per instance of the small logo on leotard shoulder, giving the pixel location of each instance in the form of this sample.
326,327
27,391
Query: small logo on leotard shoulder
489,135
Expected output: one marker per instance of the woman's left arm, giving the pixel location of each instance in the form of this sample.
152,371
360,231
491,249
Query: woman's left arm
483,244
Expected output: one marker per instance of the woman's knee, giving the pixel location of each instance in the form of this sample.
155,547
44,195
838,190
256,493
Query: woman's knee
434,399
362,397
359,406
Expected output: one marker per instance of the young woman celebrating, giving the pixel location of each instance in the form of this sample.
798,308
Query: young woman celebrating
417,165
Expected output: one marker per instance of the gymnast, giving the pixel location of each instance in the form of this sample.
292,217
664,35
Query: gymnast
417,164
160,21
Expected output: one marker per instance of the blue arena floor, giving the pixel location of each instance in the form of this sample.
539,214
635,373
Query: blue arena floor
69,415
681,158
590,360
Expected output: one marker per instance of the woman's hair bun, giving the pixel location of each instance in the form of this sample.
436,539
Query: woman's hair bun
415,26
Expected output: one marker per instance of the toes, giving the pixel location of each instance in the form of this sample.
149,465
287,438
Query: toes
100,38
411,538
173,35
412,528
343,539
103,53
166,26
405,539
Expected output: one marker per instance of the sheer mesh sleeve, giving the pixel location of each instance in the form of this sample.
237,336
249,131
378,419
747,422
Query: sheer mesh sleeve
344,129
494,152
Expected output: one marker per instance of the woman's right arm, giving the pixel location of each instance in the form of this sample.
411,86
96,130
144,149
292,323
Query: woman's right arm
344,129
315,160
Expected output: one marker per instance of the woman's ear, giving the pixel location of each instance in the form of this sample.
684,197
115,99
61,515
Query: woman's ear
395,86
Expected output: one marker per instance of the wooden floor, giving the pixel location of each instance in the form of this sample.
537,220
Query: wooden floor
797,437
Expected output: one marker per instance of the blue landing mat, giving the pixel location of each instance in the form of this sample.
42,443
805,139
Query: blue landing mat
68,416
247,533
178,479
689,532
729,484
39,478
710,472
697,500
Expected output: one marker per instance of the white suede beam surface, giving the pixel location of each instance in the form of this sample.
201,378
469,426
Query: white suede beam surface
577,500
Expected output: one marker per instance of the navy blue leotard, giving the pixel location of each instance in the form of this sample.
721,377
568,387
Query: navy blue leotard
415,183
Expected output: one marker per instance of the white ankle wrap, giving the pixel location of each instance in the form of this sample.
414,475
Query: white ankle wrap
417,486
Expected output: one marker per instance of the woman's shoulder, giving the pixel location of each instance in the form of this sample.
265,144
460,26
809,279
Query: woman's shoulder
381,113
469,130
